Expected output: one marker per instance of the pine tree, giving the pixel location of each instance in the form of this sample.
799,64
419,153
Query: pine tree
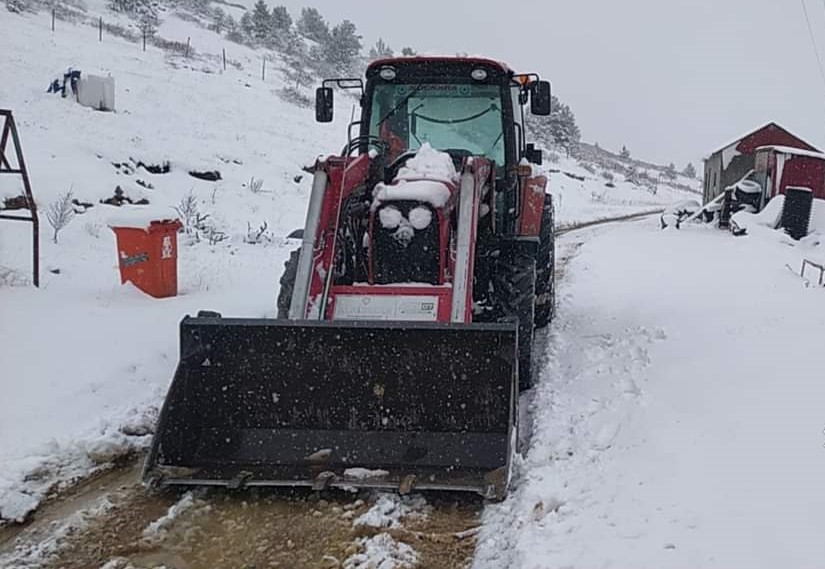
281,24
407,51
689,171
233,30
261,21
246,25
625,153
670,171
218,20
558,129
343,47
312,25
380,50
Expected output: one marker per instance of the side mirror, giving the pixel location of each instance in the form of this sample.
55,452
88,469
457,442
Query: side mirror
540,98
533,154
323,104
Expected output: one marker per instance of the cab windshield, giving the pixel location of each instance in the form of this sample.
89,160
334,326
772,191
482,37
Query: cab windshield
463,119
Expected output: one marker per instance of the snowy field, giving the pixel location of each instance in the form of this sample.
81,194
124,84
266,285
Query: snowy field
679,422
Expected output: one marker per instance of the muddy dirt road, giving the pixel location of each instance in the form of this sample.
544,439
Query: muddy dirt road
115,522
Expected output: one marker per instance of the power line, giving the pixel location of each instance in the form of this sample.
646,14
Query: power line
813,40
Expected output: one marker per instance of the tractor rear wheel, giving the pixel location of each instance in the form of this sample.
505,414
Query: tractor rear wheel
288,283
546,267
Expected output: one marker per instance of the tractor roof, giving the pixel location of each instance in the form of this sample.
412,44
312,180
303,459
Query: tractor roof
436,59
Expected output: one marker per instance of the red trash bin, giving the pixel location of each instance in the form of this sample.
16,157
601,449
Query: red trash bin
148,257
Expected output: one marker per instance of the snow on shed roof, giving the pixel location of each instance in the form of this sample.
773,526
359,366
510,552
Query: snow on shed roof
794,151
751,133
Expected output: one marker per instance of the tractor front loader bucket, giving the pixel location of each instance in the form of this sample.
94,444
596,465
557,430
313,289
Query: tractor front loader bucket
398,405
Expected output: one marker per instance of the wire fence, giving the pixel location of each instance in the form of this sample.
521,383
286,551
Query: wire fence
146,38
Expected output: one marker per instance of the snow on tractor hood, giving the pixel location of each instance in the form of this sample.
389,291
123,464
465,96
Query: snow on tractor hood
425,177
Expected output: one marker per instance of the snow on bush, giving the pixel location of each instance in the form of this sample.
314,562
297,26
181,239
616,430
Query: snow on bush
60,213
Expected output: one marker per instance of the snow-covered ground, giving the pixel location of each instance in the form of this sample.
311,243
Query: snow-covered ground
85,361
679,421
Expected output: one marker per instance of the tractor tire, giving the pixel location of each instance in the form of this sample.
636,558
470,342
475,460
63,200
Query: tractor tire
288,283
546,267
514,281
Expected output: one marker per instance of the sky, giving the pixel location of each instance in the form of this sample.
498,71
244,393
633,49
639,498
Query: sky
673,80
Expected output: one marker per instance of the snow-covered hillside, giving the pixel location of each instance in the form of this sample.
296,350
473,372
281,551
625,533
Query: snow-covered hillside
85,361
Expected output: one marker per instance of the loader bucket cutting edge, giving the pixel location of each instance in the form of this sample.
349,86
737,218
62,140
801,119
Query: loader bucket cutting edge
259,402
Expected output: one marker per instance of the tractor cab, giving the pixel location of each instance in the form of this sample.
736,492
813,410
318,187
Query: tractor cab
462,106
465,107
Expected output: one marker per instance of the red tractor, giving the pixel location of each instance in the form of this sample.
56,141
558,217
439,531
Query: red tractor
405,319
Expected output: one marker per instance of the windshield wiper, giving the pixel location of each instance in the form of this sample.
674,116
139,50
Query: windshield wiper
394,110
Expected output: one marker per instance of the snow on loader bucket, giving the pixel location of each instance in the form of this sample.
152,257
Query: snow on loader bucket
395,405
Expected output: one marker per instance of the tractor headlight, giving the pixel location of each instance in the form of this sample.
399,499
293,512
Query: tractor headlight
387,73
479,74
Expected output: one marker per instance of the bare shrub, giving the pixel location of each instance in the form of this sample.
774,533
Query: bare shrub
294,96
187,210
256,185
60,213
259,235
196,225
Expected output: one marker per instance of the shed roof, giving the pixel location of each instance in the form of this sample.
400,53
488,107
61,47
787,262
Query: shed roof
758,130
794,151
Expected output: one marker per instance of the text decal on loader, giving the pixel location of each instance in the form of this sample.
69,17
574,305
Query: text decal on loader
386,307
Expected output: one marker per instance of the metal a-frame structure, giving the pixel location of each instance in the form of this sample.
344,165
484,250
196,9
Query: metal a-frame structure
16,165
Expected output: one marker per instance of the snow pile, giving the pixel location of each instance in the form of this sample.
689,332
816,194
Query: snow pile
688,418
28,556
157,530
424,177
429,164
769,217
382,552
24,483
435,193
389,510
817,217
363,473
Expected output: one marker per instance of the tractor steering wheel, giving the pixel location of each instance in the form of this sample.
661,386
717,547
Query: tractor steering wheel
395,166
368,140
